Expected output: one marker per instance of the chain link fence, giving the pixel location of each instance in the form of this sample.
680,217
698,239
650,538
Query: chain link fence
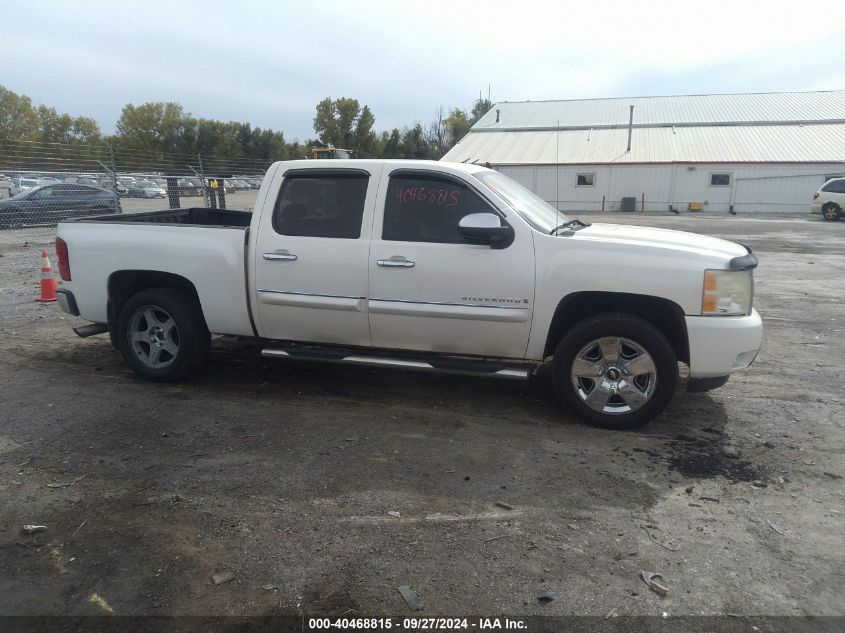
44,183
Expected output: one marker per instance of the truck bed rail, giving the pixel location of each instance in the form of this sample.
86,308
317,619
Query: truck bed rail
194,216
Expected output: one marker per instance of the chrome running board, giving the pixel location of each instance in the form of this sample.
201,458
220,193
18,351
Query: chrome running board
460,366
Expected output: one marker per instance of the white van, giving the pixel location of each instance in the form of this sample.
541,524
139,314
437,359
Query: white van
829,200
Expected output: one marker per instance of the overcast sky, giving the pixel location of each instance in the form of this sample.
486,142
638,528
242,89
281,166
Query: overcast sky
270,63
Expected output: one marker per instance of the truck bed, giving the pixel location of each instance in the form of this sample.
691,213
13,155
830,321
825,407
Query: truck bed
194,216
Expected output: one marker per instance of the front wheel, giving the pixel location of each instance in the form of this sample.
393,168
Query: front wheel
831,212
162,334
615,370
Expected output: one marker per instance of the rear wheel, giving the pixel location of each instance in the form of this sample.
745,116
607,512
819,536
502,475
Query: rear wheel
831,211
615,370
162,334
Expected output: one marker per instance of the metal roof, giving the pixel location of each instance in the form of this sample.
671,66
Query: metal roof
782,143
765,127
771,107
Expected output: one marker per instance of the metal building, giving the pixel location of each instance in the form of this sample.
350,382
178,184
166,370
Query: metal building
765,152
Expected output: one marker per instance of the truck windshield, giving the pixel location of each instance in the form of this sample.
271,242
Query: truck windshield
533,209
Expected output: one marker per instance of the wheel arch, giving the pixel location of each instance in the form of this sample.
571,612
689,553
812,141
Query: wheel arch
122,284
664,314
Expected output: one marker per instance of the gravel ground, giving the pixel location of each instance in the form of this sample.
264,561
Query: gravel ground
322,488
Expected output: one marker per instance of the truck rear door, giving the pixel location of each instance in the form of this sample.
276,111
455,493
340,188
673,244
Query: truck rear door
311,256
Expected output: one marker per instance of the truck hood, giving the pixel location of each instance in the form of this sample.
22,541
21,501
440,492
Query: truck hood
662,238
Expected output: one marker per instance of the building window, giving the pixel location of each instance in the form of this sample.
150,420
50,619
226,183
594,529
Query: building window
585,180
720,180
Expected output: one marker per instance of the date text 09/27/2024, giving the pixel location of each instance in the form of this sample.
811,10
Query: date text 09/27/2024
416,624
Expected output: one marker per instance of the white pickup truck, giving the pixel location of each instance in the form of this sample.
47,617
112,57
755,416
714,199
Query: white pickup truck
420,265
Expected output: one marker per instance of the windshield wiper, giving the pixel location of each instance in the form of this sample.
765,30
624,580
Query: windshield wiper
574,225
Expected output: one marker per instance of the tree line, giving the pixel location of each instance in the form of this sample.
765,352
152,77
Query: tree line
161,129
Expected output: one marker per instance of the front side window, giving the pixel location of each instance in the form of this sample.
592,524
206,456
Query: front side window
428,209
720,180
585,180
319,205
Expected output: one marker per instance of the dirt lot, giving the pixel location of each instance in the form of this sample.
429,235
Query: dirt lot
285,474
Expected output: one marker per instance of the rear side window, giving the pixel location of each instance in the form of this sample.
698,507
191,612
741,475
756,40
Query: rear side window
837,186
428,209
320,205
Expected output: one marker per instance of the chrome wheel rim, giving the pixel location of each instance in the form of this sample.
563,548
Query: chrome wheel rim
830,213
153,337
614,375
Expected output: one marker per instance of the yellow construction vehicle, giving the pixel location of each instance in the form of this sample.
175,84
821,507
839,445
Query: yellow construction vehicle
330,152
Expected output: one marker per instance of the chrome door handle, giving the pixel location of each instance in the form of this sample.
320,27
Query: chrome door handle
397,261
283,256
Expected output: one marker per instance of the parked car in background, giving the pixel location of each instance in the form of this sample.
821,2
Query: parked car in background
829,200
22,184
189,186
145,189
47,204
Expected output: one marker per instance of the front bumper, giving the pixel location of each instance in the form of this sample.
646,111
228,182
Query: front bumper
719,346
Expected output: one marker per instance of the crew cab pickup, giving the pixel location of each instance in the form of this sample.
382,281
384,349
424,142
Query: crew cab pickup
420,265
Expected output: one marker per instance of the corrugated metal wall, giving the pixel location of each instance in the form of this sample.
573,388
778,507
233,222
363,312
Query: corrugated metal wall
753,188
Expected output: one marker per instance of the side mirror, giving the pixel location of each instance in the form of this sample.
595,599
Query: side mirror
486,228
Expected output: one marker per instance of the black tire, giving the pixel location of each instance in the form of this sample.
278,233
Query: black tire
632,330
831,211
187,334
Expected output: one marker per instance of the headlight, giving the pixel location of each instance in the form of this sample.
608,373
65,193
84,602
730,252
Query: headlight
727,292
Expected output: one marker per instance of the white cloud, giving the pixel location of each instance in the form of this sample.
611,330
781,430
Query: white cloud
269,63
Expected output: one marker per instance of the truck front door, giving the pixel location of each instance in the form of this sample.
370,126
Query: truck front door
430,289
311,257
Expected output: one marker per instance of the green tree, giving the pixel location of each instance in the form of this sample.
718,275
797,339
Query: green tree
392,144
54,127
85,130
481,107
457,126
18,119
414,144
365,138
344,123
157,127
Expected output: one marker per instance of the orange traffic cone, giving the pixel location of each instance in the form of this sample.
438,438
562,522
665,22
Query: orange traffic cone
48,283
